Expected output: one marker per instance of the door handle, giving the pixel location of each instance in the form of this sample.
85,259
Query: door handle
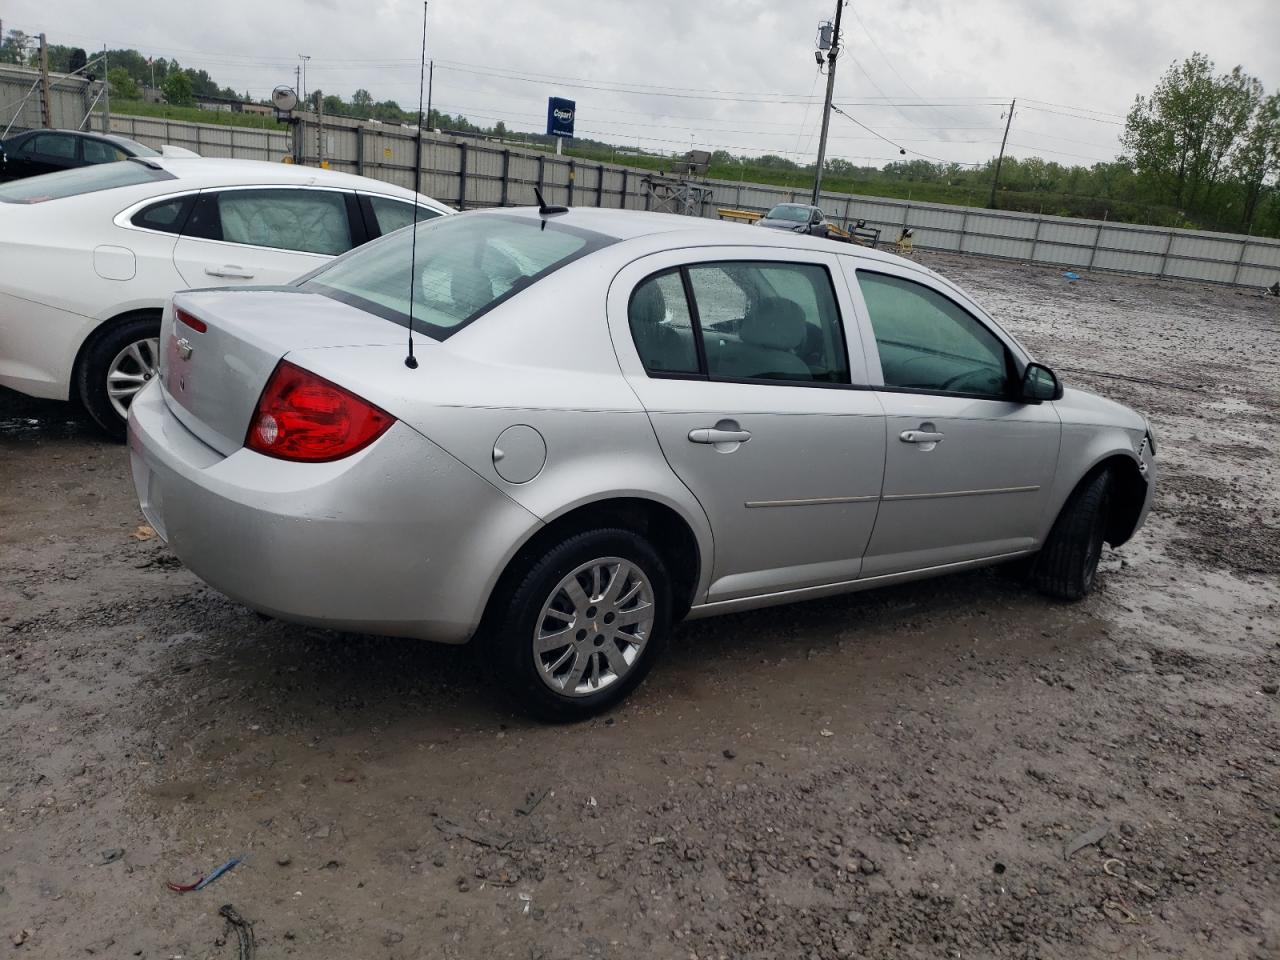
716,435
229,272
921,436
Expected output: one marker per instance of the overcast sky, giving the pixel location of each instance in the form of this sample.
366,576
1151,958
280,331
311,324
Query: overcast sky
737,74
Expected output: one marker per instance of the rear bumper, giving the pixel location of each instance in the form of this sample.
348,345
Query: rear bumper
399,539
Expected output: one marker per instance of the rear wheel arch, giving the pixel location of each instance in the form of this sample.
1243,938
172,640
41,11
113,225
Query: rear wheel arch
101,330
90,370
662,526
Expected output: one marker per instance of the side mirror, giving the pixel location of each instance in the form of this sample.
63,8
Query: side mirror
1039,383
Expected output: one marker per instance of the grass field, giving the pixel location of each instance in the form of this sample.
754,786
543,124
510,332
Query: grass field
163,111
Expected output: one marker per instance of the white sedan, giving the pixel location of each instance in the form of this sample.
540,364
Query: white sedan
89,257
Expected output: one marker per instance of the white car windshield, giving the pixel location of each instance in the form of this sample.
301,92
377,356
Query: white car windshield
465,267
72,183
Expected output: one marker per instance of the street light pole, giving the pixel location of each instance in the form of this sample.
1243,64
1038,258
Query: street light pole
826,107
303,93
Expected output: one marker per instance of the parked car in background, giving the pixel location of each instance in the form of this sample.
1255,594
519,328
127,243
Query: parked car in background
613,420
802,218
48,151
88,258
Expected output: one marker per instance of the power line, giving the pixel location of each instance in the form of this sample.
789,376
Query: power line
886,59
1076,116
901,149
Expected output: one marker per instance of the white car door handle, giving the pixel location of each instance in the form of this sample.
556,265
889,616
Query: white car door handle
229,272
920,436
714,435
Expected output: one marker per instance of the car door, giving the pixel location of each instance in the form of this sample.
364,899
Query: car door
48,153
968,468
263,235
743,365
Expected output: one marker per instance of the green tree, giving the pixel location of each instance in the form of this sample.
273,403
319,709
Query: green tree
1257,162
362,103
1181,138
178,89
13,47
123,86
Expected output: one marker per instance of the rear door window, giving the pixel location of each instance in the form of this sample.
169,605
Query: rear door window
662,326
168,216
390,215
769,321
99,151
308,221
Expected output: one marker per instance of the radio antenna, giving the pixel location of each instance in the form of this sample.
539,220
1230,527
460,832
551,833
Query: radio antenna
411,361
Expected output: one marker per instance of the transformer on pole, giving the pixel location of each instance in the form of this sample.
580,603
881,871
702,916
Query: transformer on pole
828,41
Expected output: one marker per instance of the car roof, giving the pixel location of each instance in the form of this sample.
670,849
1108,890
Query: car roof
672,230
84,134
220,171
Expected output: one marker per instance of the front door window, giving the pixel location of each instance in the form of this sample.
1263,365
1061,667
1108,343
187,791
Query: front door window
929,343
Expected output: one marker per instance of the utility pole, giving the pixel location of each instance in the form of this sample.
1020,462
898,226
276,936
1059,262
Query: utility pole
319,98
303,58
826,107
106,92
995,181
431,76
46,99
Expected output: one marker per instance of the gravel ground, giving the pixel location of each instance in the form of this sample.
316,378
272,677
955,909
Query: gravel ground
893,774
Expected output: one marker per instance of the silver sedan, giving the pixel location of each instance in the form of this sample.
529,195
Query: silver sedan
559,433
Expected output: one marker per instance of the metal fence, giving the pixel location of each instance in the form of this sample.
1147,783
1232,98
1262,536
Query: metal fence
69,99
479,173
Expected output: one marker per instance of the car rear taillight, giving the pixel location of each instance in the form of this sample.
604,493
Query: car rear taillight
301,416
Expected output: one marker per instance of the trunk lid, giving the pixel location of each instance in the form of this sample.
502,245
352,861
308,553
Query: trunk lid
212,379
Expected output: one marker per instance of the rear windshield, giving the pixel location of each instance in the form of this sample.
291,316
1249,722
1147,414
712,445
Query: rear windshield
72,183
466,266
785,212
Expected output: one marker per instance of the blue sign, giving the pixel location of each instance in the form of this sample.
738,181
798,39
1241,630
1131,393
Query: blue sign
560,117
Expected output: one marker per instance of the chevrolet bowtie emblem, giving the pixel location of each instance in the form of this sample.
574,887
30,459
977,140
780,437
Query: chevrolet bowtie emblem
184,349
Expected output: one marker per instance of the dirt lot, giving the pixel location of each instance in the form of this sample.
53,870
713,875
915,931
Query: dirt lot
893,774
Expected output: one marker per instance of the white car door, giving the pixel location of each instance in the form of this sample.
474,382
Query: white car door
742,361
263,235
968,466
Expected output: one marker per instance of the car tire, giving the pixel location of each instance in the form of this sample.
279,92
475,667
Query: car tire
1067,565
552,680
125,349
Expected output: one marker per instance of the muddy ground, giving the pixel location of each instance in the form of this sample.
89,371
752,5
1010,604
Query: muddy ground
893,774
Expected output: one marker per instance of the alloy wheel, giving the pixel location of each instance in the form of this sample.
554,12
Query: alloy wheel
130,371
593,627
